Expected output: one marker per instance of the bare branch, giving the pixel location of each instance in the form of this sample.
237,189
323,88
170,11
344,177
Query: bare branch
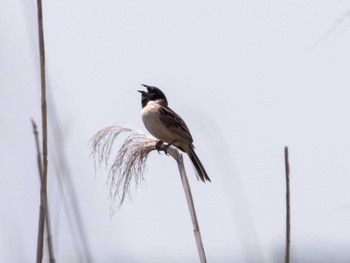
44,167
41,225
288,227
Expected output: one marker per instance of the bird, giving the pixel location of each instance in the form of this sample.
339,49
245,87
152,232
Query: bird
167,126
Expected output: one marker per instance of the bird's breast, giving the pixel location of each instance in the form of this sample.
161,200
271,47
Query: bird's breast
151,118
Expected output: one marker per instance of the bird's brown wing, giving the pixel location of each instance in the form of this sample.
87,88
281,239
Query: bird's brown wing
175,123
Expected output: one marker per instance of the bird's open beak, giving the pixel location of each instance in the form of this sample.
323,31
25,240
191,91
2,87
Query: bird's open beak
144,93
146,86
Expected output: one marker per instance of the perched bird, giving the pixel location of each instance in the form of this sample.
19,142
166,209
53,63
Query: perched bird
164,124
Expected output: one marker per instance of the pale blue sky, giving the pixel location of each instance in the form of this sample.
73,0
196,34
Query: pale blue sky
248,77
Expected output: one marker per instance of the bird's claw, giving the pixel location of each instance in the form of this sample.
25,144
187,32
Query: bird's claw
160,146
166,147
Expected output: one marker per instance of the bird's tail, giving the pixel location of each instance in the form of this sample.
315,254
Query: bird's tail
199,168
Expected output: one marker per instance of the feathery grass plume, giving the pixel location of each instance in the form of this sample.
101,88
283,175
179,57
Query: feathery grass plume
129,164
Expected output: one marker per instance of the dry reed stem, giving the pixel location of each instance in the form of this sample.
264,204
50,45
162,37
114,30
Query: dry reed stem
41,230
43,190
41,223
186,186
43,213
288,225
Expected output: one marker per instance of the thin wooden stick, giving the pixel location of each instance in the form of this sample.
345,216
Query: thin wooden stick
44,169
288,227
186,186
36,135
49,235
40,241
40,248
43,88
43,217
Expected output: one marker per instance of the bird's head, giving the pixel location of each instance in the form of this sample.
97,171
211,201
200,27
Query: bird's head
153,94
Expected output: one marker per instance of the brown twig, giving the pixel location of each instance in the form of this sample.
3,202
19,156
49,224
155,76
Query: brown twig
44,167
288,227
36,135
43,216
40,248
40,241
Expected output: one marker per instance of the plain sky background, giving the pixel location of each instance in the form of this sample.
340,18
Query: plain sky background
248,77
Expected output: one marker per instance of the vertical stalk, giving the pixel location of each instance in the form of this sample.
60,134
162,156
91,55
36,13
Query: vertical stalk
41,230
286,160
44,214
186,186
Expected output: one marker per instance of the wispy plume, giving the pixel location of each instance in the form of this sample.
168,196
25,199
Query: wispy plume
129,164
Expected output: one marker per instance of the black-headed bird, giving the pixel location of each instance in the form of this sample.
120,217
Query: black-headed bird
167,126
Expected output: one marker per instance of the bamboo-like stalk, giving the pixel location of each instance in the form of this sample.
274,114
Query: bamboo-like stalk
36,135
41,230
43,216
44,213
288,224
49,235
186,186
43,89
